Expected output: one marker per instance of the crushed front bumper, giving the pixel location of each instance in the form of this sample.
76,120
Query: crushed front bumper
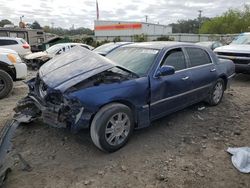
55,109
59,116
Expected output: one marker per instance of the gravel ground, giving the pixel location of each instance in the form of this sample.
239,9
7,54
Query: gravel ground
185,149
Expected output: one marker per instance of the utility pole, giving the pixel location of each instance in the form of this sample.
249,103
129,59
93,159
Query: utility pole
199,18
146,16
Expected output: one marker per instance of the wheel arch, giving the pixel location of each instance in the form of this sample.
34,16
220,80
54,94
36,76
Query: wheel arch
224,78
120,101
5,67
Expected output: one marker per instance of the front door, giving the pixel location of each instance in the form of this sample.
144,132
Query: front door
172,92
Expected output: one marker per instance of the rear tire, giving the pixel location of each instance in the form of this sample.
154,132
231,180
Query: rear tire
216,93
112,126
6,84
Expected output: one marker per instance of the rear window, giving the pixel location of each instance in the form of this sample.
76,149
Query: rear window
198,57
5,42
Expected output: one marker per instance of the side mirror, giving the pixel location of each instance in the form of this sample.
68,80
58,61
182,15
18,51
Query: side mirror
165,70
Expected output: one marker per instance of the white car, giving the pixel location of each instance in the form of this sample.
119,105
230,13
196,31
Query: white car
17,44
11,69
36,60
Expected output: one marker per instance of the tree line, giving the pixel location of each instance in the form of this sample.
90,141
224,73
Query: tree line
232,21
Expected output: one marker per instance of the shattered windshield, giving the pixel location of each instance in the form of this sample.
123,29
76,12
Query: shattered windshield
138,60
242,39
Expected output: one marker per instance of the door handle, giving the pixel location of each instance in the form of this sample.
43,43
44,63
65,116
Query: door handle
185,78
212,70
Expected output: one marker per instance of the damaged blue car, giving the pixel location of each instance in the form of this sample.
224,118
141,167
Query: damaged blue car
135,85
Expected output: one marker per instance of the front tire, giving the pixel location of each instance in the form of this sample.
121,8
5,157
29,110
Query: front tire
6,84
216,93
112,126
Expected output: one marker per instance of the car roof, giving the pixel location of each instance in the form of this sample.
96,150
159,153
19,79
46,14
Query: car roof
159,44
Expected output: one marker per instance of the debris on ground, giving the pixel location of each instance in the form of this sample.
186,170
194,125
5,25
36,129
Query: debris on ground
201,108
25,164
241,158
200,118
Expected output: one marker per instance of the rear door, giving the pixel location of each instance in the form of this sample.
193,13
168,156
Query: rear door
170,93
202,70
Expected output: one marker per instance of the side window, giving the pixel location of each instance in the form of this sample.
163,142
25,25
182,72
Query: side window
198,57
4,42
175,58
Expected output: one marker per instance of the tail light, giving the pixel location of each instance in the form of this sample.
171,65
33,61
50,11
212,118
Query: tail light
26,46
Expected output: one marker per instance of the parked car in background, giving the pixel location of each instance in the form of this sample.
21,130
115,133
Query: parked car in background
35,37
148,81
109,47
11,69
238,51
17,44
36,60
210,44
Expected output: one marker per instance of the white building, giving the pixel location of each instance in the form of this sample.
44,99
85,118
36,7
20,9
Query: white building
108,30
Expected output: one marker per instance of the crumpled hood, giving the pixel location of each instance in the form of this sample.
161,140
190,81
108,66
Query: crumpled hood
234,48
36,55
72,67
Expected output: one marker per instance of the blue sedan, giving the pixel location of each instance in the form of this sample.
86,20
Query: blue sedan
81,89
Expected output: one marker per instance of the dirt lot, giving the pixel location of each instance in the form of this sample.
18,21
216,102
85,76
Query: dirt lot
186,149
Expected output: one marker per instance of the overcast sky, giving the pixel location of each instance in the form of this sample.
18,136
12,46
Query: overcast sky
82,13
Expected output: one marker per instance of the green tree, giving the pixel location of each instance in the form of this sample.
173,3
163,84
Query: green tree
5,22
117,39
188,26
61,32
35,25
232,21
140,38
165,38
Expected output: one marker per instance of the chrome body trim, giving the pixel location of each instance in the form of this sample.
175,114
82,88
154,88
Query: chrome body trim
179,95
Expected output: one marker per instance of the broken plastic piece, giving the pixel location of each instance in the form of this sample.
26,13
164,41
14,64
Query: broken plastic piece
241,158
6,135
201,108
